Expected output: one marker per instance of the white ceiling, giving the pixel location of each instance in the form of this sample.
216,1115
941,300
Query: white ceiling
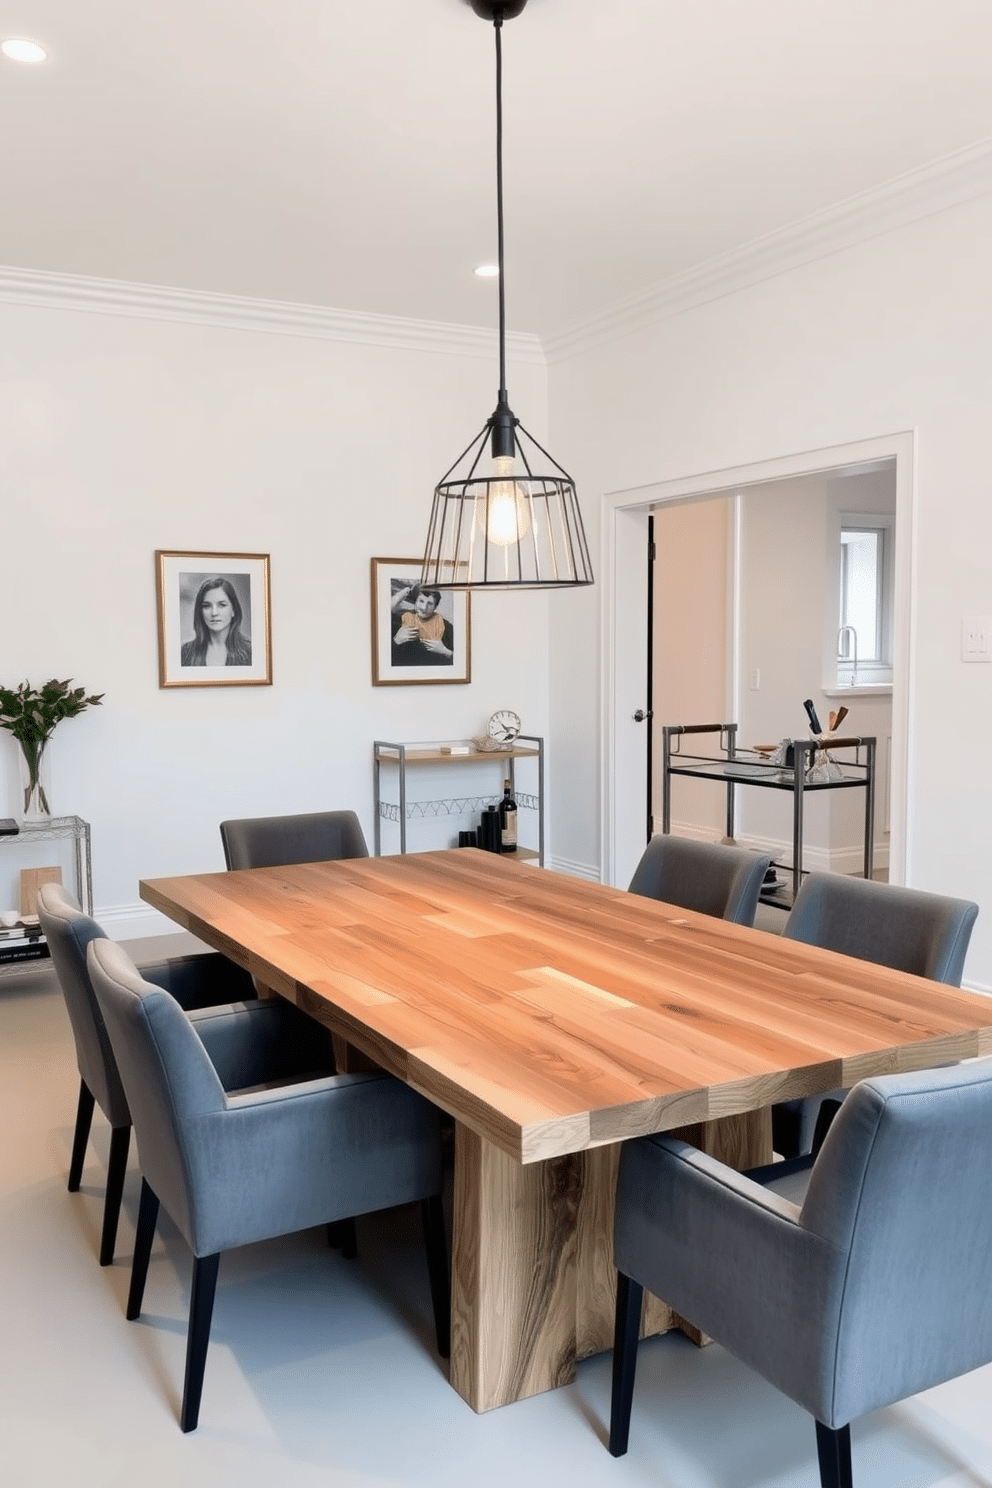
340,152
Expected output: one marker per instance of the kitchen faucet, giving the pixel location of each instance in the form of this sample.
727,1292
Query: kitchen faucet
842,655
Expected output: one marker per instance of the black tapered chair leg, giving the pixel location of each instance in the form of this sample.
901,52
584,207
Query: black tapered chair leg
824,1121
201,1310
786,1127
342,1235
436,1243
144,1235
84,1118
833,1449
120,1141
628,1327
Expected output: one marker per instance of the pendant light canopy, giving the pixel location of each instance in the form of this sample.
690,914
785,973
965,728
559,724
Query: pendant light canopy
514,524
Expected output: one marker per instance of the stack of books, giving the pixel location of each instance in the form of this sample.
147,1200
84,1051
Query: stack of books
22,943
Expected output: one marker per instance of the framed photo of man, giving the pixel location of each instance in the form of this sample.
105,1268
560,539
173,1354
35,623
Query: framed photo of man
419,634
213,619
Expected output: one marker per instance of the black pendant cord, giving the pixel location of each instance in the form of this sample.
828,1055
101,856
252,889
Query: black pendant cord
498,27
502,530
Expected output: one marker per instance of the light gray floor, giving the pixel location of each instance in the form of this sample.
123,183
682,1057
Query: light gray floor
322,1371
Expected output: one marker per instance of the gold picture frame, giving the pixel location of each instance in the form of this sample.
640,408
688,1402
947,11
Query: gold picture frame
213,634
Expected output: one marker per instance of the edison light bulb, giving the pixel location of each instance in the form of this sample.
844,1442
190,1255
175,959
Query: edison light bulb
505,517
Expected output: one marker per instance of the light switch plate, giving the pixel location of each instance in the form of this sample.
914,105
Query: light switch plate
976,637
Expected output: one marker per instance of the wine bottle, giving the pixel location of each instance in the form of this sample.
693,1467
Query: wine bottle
508,818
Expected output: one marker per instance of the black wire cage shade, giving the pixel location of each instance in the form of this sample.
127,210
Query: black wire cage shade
517,525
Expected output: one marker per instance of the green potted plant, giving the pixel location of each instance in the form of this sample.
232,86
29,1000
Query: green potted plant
30,714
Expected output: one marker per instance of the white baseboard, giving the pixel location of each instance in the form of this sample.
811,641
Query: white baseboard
134,921
689,829
588,871
815,859
849,860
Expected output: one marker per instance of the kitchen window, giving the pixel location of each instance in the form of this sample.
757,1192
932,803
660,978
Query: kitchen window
864,631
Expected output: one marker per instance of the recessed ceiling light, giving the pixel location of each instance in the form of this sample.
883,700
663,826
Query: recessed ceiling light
18,49
488,271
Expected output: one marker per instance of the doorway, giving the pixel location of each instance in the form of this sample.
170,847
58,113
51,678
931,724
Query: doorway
625,646
809,559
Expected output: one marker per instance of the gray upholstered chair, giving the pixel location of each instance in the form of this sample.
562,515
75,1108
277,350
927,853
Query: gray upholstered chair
908,929
849,1287
195,981
706,876
271,841
231,1169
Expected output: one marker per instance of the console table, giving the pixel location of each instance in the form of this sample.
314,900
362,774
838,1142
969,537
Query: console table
502,764
734,767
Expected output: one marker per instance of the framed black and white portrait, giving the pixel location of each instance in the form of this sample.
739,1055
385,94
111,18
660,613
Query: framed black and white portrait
419,634
213,619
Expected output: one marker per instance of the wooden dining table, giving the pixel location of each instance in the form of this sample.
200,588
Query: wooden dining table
553,1019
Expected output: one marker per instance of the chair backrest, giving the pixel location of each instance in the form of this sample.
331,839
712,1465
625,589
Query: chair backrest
908,929
165,1070
705,876
68,932
901,1194
272,841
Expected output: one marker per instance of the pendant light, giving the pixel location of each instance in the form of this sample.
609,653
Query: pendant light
516,524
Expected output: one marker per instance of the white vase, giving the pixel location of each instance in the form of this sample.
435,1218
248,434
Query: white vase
36,788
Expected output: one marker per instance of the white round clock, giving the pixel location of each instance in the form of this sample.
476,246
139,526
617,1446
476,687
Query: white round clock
504,726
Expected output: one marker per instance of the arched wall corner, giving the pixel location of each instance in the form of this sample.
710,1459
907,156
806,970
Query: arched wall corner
624,636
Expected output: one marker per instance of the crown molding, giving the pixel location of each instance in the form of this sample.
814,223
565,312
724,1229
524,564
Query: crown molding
277,317
945,183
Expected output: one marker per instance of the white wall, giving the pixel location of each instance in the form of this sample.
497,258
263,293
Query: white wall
891,334
120,435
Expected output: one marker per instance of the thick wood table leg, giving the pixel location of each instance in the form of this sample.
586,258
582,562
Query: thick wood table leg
348,1060
513,1273
739,1141
533,1278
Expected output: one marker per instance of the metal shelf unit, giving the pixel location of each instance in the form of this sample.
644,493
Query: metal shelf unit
404,757
54,829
